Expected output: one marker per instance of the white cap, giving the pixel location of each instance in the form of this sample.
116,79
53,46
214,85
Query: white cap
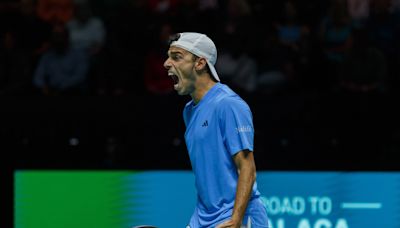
200,45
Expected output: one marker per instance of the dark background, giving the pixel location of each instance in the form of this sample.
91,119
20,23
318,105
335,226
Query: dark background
333,105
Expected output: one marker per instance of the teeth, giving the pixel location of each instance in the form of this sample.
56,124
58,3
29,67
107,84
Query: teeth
170,74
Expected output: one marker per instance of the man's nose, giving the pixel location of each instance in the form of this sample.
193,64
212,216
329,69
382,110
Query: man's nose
167,64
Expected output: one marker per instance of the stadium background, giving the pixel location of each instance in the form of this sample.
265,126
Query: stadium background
301,66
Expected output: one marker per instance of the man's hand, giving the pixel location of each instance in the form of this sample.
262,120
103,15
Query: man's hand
229,224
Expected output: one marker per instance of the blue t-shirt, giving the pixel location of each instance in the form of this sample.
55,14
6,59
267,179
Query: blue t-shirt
217,128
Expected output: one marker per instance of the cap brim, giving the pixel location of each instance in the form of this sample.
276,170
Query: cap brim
213,71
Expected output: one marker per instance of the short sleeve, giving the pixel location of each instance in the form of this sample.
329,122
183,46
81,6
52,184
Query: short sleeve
236,123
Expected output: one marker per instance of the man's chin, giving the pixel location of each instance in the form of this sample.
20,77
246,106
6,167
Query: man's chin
181,91
178,90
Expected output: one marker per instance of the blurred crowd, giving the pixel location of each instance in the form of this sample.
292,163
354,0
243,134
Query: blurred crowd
117,47
322,78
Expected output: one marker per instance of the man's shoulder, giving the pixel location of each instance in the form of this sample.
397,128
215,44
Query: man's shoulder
228,97
231,103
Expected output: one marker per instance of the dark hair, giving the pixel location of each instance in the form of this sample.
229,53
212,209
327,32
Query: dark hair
173,38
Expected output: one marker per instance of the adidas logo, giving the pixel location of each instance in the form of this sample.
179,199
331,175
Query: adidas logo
205,124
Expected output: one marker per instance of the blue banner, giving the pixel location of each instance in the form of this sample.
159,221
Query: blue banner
293,199
331,199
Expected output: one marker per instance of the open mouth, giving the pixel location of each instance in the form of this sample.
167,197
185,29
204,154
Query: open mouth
174,78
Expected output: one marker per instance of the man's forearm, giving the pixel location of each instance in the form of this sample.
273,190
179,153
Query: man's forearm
247,176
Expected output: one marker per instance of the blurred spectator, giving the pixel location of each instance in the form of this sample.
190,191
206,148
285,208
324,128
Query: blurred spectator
236,64
334,36
87,34
86,31
275,63
290,30
364,66
335,31
62,70
236,67
294,35
384,31
55,11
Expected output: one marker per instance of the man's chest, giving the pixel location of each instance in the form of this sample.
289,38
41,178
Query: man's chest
203,126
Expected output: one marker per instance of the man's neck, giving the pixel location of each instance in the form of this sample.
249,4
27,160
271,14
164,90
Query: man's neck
202,87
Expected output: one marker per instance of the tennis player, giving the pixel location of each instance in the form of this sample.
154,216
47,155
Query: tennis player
219,137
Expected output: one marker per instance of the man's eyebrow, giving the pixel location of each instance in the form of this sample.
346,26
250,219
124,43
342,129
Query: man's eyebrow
174,53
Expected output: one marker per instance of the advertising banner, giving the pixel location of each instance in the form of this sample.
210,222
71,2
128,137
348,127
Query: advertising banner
124,199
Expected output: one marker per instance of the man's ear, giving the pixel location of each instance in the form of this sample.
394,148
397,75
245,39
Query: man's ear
201,64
